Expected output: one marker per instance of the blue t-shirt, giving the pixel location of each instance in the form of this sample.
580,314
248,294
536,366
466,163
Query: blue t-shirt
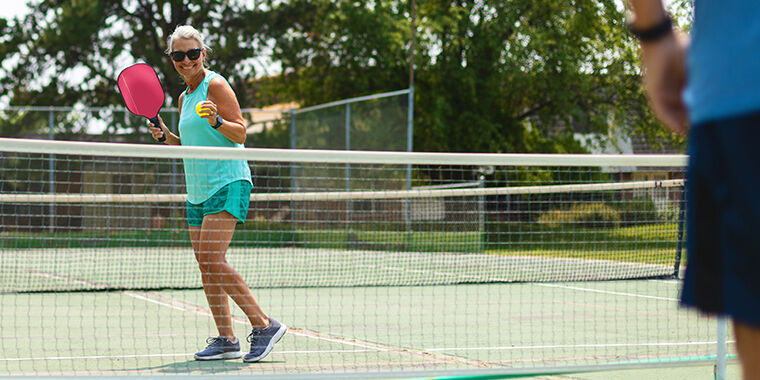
723,61
205,177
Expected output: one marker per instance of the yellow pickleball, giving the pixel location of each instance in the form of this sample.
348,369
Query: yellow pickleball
202,112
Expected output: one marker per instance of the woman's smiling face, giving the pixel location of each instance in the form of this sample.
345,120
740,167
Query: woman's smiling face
188,67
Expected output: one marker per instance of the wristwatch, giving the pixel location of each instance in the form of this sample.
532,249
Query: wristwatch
653,33
219,122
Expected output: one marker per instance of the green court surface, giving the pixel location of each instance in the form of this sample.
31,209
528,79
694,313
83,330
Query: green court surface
382,330
67,269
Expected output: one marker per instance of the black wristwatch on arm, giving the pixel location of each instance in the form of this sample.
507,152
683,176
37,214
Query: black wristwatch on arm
219,122
654,32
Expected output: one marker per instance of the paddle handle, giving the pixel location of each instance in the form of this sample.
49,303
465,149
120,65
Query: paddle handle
155,122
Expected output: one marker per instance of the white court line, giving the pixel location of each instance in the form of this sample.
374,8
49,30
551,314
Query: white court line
200,311
673,281
369,347
578,346
56,277
164,355
90,357
320,351
606,292
157,302
339,341
187,307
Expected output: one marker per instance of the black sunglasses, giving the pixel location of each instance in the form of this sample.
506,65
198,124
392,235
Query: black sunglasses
179,56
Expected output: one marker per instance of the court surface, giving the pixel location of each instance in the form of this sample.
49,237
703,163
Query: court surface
360,330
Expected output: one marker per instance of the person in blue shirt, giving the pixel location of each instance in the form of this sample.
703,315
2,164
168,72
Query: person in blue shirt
218,194
710,88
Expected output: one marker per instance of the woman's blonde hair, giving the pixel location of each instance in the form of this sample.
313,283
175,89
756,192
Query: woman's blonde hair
186,32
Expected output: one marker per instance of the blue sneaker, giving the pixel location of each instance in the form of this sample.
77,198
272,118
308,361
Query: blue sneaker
219,348
263,340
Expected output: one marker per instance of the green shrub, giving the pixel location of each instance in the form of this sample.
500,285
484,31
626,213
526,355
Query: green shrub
258,233
639,210
589,215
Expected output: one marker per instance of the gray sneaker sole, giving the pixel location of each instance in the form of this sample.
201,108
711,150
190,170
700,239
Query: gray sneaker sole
224,356
276,338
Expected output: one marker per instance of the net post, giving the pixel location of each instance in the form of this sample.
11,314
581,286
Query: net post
292,128
293,165
51,172
409,148
175,187
348,147
720,359
175,172
481,214
348,173
681,223
409,134
292,146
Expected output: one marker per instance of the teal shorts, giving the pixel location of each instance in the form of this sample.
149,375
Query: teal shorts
233,198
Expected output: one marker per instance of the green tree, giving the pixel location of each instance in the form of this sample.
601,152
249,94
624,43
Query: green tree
68,52
512,76
332,50
496,76
492,76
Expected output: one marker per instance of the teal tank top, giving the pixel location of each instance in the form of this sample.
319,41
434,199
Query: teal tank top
205,177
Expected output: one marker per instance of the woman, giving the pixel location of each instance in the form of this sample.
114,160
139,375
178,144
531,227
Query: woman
218,193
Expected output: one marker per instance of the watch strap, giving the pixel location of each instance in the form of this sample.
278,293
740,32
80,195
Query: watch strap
653,33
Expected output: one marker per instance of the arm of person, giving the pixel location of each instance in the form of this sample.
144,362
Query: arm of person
664,65
647,13
222,101
171,138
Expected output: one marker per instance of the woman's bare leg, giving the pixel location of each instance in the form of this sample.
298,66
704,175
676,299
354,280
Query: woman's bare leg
220,279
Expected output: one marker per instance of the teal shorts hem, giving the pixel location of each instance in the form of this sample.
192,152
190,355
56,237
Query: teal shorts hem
233,198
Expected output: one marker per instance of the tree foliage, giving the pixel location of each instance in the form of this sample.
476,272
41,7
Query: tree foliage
493,76
70,51
496,76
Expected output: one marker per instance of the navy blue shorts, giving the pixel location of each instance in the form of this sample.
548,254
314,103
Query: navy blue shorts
723,219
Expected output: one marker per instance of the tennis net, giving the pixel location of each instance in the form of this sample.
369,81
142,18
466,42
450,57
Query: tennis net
353,230
79,222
